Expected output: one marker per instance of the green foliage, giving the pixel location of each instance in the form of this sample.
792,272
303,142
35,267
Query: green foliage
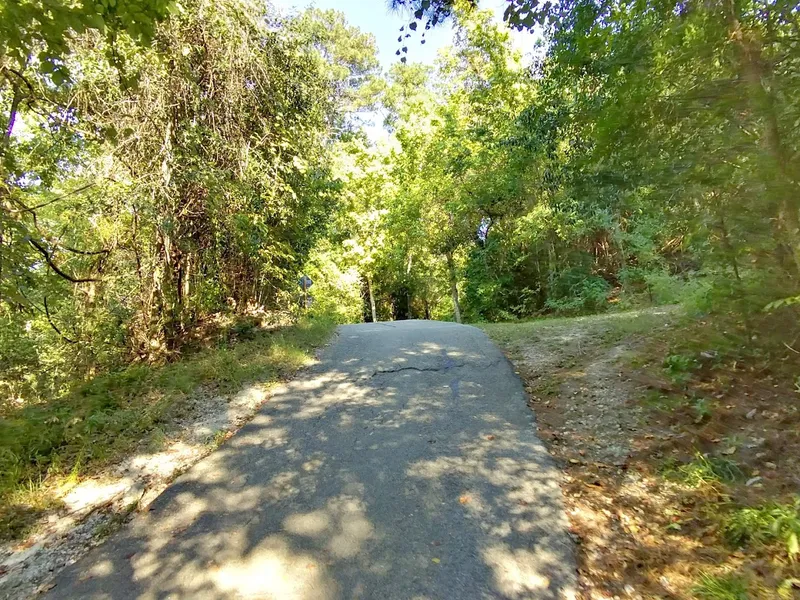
575,290
704,470
652,152
337,284
781,302
46,29
679,367
165,183
702,410
110,414
766,524
721,587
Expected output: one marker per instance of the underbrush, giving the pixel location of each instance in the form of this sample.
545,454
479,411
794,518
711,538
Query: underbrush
704,504
704,470
70,436
724,386
770,523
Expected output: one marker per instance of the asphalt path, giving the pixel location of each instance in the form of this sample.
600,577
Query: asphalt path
404,464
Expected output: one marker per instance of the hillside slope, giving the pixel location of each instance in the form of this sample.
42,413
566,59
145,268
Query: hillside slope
679,452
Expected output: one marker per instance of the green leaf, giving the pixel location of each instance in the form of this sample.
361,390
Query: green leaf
792,545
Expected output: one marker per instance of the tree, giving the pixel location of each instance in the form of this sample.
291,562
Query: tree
161,184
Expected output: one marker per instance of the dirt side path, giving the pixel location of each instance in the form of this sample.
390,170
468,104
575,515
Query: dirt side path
639,533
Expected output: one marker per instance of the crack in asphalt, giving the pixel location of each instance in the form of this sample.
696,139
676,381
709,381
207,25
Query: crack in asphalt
420,369
442,368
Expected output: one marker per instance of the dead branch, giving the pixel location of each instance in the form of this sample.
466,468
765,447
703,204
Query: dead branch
53,325
49,259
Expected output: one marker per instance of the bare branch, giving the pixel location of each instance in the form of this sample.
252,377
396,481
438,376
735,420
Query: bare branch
53,325
85,252
20,76
54,200
49,259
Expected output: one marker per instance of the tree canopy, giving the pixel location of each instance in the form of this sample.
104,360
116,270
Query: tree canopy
165,163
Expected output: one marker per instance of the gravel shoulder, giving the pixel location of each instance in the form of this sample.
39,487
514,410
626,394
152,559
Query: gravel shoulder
657,461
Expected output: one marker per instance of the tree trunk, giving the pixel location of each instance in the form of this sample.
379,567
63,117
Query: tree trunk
755,72
372,300
451,271
12,116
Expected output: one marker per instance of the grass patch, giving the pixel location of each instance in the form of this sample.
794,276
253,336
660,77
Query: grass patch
679,367
658,400
704,471
218,438
721,587
21,509
108,416
609,327
770,523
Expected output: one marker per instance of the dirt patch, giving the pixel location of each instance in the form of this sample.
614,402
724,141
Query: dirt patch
622,428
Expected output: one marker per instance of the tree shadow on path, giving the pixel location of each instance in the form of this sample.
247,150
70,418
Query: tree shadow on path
404,469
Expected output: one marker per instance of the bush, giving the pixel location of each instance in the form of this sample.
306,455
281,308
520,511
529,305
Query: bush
575,291
658,286
769,523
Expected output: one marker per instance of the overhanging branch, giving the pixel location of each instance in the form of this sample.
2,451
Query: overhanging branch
49,259
53,325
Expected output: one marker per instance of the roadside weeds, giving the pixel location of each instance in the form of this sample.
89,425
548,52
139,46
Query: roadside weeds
680,456
199,407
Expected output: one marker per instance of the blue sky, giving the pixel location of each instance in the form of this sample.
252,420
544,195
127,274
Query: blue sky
374,16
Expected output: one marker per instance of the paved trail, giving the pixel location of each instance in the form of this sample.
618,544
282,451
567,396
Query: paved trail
403,465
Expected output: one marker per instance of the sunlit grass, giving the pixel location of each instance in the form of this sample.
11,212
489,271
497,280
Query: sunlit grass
704,470
110,415
609,327
769,523
721,587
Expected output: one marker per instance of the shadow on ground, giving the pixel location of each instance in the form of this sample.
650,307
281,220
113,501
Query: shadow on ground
403,465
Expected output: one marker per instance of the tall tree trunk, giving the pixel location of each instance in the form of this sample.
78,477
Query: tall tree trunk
451,271
755,72
12,116
372,300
